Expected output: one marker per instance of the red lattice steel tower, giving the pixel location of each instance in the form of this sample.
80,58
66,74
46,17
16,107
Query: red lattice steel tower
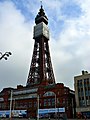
41,71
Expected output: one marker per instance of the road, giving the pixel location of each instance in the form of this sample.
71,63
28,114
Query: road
39,119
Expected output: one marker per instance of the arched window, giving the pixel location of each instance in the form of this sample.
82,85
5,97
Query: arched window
49,93
49,101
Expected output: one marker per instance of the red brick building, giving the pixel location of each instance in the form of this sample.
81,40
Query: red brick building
50,96
41,90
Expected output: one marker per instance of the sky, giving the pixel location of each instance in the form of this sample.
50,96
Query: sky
69,25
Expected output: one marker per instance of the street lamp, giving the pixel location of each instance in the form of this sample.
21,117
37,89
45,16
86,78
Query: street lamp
38,107
5,55
55,106
10,116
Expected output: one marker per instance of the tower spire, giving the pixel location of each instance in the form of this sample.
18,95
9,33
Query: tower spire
41,17
41,71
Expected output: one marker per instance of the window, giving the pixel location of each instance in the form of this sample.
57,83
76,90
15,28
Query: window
1,105
24,105
35,104
79,92
86,92
49,102
30,104
53,101
88,102
65,91
64,101
82,103
82,93
79,83
45,102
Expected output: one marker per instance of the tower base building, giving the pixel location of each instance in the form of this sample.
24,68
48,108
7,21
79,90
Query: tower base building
51,100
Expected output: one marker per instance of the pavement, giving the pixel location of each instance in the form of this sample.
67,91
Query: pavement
38,119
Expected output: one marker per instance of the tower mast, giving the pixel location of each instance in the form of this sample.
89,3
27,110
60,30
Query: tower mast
41,71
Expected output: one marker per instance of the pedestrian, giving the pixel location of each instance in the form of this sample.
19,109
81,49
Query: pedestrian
49,118
85,117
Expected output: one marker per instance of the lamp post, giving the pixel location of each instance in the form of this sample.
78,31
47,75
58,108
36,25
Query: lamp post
11,106
5,55
38,107
55,106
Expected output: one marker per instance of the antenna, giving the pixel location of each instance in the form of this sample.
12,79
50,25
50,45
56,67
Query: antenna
41,3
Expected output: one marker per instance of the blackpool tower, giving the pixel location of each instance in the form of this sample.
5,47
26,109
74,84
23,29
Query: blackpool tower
41,71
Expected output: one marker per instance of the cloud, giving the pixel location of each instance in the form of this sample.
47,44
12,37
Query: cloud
69,24
15,36
72,46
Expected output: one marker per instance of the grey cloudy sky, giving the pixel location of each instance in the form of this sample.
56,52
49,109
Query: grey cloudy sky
69,23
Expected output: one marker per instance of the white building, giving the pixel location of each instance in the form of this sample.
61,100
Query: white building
82,93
